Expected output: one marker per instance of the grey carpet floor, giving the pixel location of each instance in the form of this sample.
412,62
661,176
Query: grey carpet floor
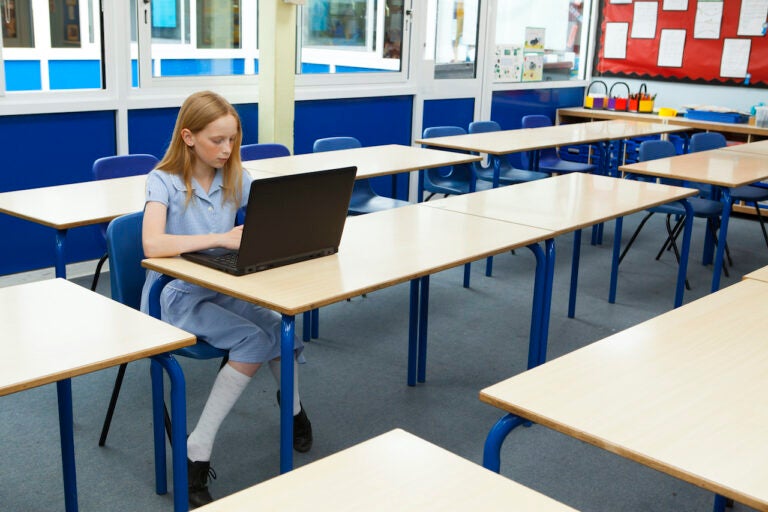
353,388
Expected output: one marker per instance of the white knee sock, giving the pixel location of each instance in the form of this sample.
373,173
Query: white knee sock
227,388
274,367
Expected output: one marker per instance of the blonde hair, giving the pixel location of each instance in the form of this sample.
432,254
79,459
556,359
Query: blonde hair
197,111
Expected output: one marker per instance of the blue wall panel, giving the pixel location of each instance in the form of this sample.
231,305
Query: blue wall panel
22,75
509,107
75,74
453,112
50,149
197,67
149,130
374,121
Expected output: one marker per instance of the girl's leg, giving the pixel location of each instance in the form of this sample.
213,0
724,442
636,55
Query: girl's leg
302,428
274,367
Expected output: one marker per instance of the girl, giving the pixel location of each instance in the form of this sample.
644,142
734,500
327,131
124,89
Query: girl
192,198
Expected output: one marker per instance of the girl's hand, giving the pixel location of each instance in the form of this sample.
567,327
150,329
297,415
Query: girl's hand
231,239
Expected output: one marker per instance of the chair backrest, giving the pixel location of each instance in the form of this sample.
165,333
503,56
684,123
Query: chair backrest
538,121
460,171
443,131
121,166
335,143
705,141
484,127
653,149
126,275
265,150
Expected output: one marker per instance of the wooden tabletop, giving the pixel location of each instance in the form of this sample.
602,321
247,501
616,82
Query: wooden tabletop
683,393
757,148
371,161
377,250
564,203
719,167
760,274
586,113
511,141
55,329
394,471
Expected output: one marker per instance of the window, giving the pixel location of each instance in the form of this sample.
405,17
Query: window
66,56
541,40
348,36
456,38
199,38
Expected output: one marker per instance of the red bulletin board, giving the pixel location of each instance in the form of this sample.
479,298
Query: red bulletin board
701,58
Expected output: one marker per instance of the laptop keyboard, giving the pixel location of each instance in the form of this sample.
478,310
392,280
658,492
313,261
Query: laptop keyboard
228,259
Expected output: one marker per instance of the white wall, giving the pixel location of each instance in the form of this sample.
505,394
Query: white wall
677,94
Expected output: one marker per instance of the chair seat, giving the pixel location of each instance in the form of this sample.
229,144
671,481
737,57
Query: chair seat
702,208
201,350
361,204
749,193
557,165
509,175
454,186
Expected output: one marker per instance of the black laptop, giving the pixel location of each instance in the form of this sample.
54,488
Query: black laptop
288,219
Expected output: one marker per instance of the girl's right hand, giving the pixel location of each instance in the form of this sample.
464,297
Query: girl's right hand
231,239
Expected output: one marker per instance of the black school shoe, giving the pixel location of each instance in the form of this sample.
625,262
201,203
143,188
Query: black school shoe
198,473
302,429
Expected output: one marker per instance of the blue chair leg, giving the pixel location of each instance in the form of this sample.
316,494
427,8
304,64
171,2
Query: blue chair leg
496,437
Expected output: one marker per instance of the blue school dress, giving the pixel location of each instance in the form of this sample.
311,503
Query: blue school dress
250,333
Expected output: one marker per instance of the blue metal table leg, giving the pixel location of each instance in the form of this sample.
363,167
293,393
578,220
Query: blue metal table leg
158,422
467,270
286,392
61,263
547,299
615,259
499,432
574,273
682,270
720,503
413,332
306,325
178,430
539,285
315,314
66,433
496,159
423,321
721,239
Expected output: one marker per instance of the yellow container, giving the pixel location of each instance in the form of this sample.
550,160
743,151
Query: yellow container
667,112
645,106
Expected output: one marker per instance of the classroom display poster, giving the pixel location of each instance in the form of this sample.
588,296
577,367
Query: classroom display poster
533,67
702,41
508,63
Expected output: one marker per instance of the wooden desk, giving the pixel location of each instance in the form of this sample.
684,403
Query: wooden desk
722,168
679,393
371,161
394,471
78,204
736,131
534,139
760,274
569,203
54,330
377,250
756,148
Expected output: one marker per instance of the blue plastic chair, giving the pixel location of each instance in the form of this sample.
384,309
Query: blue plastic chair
702,208
549,161
119,166
452,180
127,280
260,151
364,199
705,141
509,175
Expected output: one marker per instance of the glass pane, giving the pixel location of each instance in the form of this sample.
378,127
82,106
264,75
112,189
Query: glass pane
200,38
65,23
555,28
71,26
456,38
348,36
17,24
